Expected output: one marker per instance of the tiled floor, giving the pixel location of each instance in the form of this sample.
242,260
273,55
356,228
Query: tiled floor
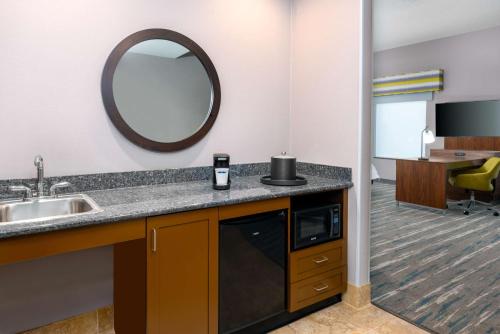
96,322
344,319
337,319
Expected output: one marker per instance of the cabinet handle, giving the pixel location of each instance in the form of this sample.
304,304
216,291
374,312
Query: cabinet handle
154,240
321,260
323,288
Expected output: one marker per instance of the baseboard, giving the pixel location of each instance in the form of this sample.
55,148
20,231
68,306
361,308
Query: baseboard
95,322
357,296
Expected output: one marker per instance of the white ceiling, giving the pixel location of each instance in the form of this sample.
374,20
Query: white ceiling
404,22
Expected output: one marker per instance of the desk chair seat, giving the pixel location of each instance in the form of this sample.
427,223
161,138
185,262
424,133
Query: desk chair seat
478,179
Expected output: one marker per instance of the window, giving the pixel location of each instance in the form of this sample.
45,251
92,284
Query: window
398,128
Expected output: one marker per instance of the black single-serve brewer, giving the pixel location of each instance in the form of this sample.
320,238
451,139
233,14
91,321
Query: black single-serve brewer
221,179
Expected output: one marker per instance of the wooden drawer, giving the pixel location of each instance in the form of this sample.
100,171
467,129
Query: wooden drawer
317,288
316,260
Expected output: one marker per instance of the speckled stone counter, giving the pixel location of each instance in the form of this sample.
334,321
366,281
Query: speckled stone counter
135,202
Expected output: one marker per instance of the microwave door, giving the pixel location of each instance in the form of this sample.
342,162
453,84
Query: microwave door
312,227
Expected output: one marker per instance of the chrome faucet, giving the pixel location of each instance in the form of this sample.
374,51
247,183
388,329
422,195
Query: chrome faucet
28,194
39,175
54,187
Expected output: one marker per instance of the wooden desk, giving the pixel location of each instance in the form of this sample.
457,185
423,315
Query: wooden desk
425,182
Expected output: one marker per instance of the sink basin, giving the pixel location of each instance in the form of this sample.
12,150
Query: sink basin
44,208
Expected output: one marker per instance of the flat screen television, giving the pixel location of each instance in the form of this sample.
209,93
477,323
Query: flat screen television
468,119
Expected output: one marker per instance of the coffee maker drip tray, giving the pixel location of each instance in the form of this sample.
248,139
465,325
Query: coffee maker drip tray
299,181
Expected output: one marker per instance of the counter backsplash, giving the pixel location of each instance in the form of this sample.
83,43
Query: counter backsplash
101,181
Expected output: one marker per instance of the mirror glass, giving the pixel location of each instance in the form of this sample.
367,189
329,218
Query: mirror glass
162,90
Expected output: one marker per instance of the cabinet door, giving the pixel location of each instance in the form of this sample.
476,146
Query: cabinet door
182,273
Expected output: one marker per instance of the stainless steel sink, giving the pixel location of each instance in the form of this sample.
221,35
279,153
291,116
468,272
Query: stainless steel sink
45,208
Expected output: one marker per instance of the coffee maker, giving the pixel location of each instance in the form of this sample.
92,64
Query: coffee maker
220,176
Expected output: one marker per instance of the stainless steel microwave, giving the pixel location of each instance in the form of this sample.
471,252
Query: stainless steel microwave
316,225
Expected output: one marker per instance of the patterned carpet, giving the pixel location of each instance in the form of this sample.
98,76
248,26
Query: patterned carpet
441,272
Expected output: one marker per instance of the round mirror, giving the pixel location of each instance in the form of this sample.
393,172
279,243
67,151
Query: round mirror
161,90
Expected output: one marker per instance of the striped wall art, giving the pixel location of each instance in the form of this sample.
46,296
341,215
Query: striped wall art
427,81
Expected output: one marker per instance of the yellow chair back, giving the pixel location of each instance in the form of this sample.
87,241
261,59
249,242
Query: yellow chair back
491,167
480,178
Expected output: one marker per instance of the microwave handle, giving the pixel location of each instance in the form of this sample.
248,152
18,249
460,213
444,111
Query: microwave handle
332,215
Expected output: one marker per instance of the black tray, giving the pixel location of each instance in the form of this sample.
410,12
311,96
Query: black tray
299,181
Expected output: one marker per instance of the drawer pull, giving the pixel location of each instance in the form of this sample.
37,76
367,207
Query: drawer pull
154,246
323,288
321,260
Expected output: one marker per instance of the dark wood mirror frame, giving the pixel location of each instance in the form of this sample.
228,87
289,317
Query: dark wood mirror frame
109,100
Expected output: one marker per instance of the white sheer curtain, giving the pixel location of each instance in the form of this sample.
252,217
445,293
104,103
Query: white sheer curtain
398,124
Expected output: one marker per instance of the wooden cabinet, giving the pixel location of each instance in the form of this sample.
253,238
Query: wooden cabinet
182,273
316,260
317,288
319,272
168,282
166,267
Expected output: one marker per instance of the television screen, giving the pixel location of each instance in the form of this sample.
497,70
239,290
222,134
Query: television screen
468,119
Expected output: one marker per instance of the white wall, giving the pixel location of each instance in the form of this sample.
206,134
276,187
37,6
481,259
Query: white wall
53,53
471,64
386,168
42,291
329,120
51,59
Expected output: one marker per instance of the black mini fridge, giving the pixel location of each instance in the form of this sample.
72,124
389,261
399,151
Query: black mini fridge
252,270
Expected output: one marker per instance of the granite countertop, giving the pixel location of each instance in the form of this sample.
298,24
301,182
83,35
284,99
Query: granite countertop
144,201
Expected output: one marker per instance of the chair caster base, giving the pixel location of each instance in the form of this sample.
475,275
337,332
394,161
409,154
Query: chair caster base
472,205
495,213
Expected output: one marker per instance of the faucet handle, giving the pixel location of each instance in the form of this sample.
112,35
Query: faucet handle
27,191
56,186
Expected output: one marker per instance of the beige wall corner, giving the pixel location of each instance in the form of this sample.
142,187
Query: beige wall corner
357,296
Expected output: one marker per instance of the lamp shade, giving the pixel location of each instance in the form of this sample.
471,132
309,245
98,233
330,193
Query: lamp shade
428,136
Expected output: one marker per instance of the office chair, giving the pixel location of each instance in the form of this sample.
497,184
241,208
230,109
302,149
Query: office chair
478,179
